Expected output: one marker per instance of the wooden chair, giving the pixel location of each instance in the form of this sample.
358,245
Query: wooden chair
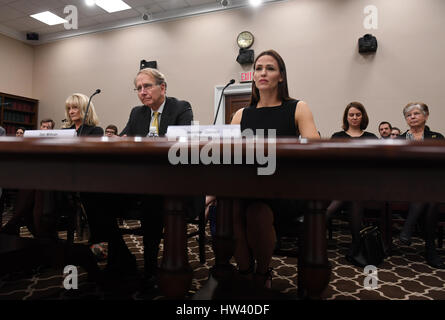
393,216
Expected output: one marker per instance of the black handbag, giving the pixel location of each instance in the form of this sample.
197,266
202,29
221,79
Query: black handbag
371,250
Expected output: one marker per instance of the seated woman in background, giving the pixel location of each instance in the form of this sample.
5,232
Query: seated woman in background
20,132
395,133
416,114
270,108
355,121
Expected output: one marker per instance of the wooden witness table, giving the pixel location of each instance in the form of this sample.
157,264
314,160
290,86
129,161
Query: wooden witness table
320,170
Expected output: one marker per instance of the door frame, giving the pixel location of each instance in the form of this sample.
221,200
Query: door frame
238,88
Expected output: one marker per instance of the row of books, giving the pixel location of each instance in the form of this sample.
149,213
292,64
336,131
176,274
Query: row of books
19,105
17,117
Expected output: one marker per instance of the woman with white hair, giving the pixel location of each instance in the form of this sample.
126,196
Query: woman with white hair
416,114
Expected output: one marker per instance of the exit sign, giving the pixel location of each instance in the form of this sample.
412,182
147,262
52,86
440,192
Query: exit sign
246,76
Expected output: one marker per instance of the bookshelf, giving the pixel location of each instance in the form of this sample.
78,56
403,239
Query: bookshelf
17,111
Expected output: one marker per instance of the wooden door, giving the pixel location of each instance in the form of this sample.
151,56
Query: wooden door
235,102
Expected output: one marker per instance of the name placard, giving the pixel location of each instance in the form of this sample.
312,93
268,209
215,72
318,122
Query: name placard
68,133
195,130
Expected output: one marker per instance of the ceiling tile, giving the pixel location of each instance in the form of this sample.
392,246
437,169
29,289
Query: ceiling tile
25,6
153,9
200,2
24,24
9,13
140,3
116,16
172,4
50,29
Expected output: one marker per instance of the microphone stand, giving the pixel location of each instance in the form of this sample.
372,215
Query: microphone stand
220,99
86,111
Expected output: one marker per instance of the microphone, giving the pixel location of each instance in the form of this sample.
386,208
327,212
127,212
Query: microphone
220,99
86,111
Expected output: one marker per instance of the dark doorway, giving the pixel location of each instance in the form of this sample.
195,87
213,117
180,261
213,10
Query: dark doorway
234,103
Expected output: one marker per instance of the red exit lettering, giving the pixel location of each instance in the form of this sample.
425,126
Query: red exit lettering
246,76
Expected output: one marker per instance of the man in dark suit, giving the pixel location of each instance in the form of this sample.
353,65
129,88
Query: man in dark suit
158,111
152,119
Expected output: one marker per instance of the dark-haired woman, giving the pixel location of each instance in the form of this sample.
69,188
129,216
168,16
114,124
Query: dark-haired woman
270,108
355,121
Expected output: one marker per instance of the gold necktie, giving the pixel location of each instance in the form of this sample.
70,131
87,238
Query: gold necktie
155,122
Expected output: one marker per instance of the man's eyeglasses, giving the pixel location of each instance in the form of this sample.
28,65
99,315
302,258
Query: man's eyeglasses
145,86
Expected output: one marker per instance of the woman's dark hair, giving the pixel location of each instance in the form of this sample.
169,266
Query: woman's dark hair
283,91
359,106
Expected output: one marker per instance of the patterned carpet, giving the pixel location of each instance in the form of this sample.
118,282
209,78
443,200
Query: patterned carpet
403,276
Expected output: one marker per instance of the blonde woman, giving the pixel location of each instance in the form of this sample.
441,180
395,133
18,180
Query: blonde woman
75,107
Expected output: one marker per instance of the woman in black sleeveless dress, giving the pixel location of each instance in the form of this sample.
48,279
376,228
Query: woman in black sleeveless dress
355,121
270,108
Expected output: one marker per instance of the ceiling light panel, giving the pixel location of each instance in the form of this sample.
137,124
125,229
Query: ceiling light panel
49,18
112,5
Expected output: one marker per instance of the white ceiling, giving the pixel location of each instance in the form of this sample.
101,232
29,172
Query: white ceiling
15,21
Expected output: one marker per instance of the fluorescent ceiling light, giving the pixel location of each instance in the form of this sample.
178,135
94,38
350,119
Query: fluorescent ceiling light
90,2
112,5
48,18
255,3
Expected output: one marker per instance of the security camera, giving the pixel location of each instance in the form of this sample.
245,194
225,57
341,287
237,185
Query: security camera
147,16
225,3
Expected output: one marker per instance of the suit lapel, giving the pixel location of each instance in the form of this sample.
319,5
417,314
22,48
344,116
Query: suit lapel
144,123
165,117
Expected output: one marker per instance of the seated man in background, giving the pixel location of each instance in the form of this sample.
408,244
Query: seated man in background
47,124
111,131
385,129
